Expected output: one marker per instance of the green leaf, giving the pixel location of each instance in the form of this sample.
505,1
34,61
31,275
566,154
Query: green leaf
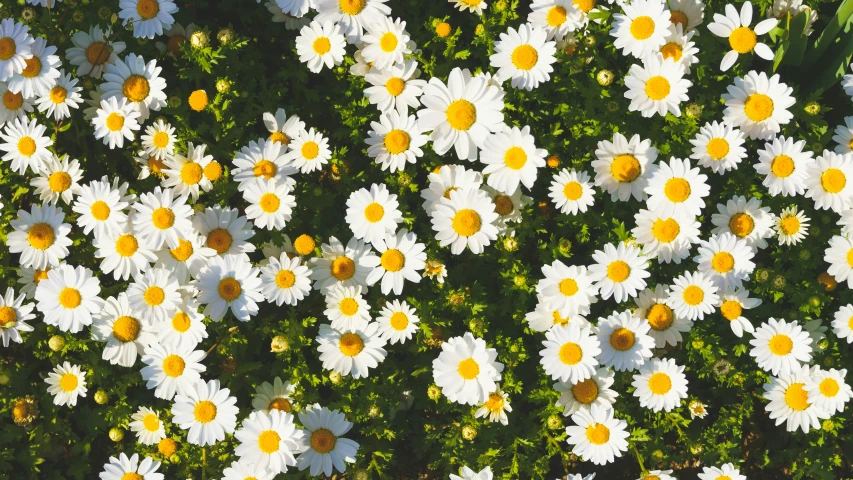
827,37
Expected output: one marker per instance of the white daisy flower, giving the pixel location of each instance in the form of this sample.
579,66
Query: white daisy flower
544,318
68,298
679,46
17,48
61,97
746,219
461,113
666,326
642,29
187,260
373,214
148,17
162,218
137,82
742,38
285,280
185,173
400,258
270,203
323,447
674,186
386,43
351,352
828,390
347,309
726,260
229,282
269,440
465,220
466,370
66,382
115,120
660,385
29,278
567,288
159,140
353,16
150,165
395,140
147,426
658,475
625,341
474,6
727,470
495,407
688,14
397,322
780,346
171,370
571,191
839,256
447,179
511,157
320,44
842,325
58,178
396,87
719,147
732,305
570,353
828,181
792,226
844,136
619,271
693,295
290,23
557,17
509,208
92,52
125,333
341,266
224,230
297,8
25,145
309,151
623,167
100,209
668,238
525,56
847,84
185,329
789,400
14,314
281,127
13,105
40,73
154,294
597,436
583,395
207,411
274,396
121,468
243,470
39,236
758,105
658,87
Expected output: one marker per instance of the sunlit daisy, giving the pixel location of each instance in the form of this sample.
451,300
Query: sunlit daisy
668,238
465,220
544,318
386,43
17,46
115,121
397,322
347,309
353,16
25,145
290,23
92,51
583,395
13,105
466,370
780,346
679,47
397,87
758,105
207,411
474,6
274,396
14,314
557,17
619,271
509,208
693,295
281,127
726,260
658,86
185,261
719,147
742,38
747,220
40,73
400,258
320,44
225,231
567,288
511,157
40,236
829,181
784,164
339,265
126,333
58,178
395,140
29,278
57,101
185,173
351,352
842,325
828,390
269,439
660,385
373,214
572,192
270,203
625,341
138,82
622,166
791,226
285,280
732,305
642,29
159,140
170,370
185,329
66,383
666,326
570,353
597,436
789,400
148,17
309,151
688,14
715,473
148,426
229,282
495,407
675,186
844,136
162,218
524,56
154,294
447,179
324,449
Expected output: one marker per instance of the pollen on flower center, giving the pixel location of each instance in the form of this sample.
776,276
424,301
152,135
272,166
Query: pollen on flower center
622,339
322,45
147,9
568,287
741,224
597,434
220,240
585,391
618,271
723,262
466,222
392,260
399,321
758,107
115,122
100,210
829,387
388,42
665,231
127,245
212,171
625,168
660,317
126,329
265,168
70,298
717,148
789,225
183,252
693,295
163,218
556,16
742,40
395,86
204,411
351,344
160,139
352,7
515,158
281,404
374,212
343,268
8,317
269,202
98,53
229,289
323,440
181,322
572,191
571,353
59,181
796,397
27,146
58,94
310,150
468,369
657,87
495,403
7,48
41,236
173,366
524,57
642,27
268,441
32,68
136,87
781,344
304,244
191,173
660,383
285,279
68,382
348,306
13,101
154,296
833,180
672,50
461,114
677,190
731,310
397,141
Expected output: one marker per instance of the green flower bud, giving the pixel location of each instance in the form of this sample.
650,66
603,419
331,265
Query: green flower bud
116,434
28,14
56,343
510,244
335,377
199,39
433,392
469,433
693,110
279,344
519,280
604,77
225,36
223,85
812,108
554,422
101,397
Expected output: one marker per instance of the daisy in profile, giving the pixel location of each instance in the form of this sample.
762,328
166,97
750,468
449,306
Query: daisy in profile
386,43
570,353
784,164
397,322
732,305
58,178
742,38
474,6
148,17
397,87
171,370
353,16
828,181
269,440
745,219
779,347
758,105
281,127
674,186
395,140
347,309
13,106
668,238
660,385
625,341
727,470
658,87
324,449
320,44
789,400
154,294
642,28
138,82
467,219
340,265
274,396
64,95
460,113
466,370
66,382
791,226
115,121
14,314
309,151
40,236
557,17
842,325
447,179
243,470
225,231
147,426
270,203
583,395
40,73
726,260
567,288
828,390
524,56
17,48
572,192
495,407
25,145
597,436
693,295
68,298
126,334
92,51
622,166
666,326
844,136
185,173
544,318
185,329
400,258
838,256
229,283
373,214
186,260
351,352
619,271
719,147
207,411
679,46
285,280
512,158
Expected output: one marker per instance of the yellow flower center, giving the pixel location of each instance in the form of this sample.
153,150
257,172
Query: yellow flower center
572,191
642,27
558,320
678,18
781,344
163,218
829,387
98,53
833,180
397,141
349,306
343,268
126,245
191,173
323,440
796,397
374,212
556,16
132,476
68,382
59,181
352,7
741,224
597,434
568,287
789,225
660,317
70,298
304,244
758,107
41,236
167,447
204,411
388,42
27,146
717,148
571,353
40,275
495,403
160,139
782,166
672,50
136,87
461,114
181,322
586,391
584,5
742,40
395,86
625,168
220,240
100,210
173,366
280,404
351,344
468,369
399,321
515,158
7,48
657,87
392,260
32,68
622,339
279,137
723,262
693,295
115,122
268,441
322,45
618,271
230,289
155,165
731,310
13,101
850,257
466,222
58,94
154,296
147,9
212,171
183,252
269,202
442,29
660,383
677,190
524,57
198,100
151,422
8,317
285,279
310,150
503,205
665,231
264,168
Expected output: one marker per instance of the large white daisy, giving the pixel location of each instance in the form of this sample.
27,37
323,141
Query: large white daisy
68,298
742,39
758,105
642,28
229,282
351,352
323,447
511,157
597,436
657,87
622,166
525,56
675,186
619,271
466,370
779,347
570,353
207,411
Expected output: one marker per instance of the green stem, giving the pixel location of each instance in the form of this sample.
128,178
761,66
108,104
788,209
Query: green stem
639,458
204,463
